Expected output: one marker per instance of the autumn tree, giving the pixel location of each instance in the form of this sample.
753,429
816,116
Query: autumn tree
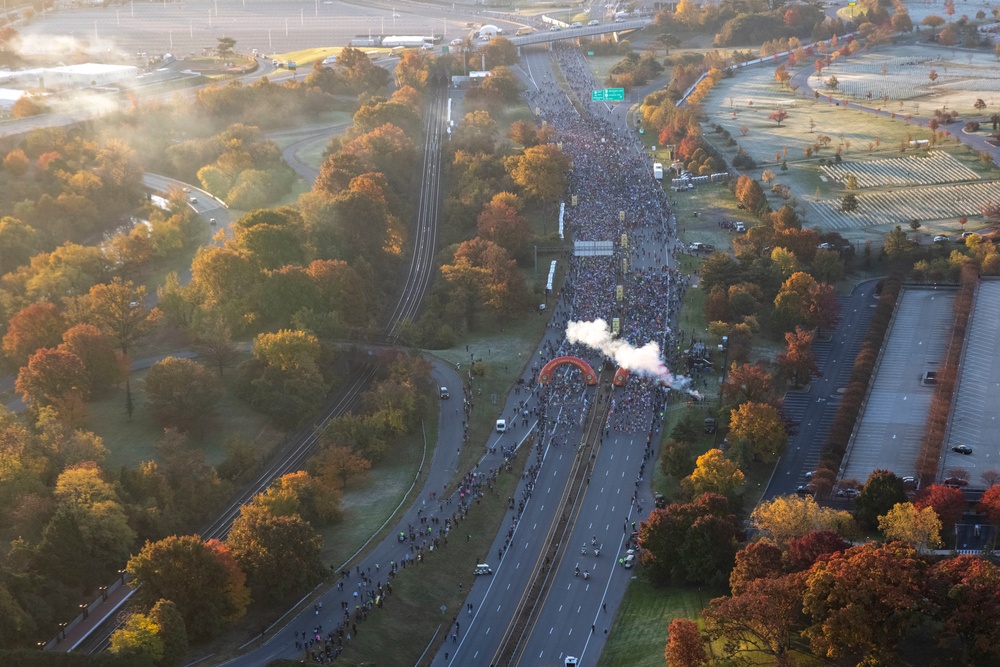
948,502
797,363
158,634
280,554
748,383
760,620
966,592
57,378
488,276
214,343
920,528
30,329
501,223
881,492
803,301
806,550
757,432
788,518
540,171
778,116
685,645
989,504
863,602
201,578
118,309
689,542
104,367
283,379
714,473
476,133
182,394
341,464
756,560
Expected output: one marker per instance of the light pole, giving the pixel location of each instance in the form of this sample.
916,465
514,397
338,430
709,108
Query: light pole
270,46
302,17
118,18
209,18
170,34
286,27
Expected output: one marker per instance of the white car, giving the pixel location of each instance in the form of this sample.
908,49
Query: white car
629,560
554,28
456,42
483,568
940,239
501,426
593,22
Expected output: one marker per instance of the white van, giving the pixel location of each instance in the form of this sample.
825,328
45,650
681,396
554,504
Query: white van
501,426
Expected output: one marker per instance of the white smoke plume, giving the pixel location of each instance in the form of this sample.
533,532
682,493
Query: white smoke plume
646,360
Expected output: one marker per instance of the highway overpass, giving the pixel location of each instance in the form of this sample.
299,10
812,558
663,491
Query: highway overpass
543,36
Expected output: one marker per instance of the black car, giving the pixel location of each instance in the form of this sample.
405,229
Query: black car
962,449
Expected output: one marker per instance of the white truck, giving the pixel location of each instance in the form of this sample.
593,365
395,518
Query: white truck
658,171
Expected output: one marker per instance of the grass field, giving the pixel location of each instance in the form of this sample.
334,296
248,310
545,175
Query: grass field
130,443
369,501
412,613
639,633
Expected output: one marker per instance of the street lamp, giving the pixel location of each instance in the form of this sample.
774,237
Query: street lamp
62,629
121,573
85,610
104,593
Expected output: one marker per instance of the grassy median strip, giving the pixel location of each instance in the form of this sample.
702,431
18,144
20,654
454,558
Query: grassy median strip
412,613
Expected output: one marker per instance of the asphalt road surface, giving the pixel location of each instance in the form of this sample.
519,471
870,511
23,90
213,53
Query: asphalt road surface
814,409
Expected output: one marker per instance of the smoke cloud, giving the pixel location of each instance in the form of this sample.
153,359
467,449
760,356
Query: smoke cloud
646,360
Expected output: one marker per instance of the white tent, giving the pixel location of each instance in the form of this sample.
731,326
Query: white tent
489,31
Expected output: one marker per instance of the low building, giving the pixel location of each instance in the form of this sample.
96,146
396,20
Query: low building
8,96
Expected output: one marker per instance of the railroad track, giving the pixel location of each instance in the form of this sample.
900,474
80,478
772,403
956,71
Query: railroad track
532,601
416,282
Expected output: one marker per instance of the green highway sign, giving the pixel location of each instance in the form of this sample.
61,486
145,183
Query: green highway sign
608,95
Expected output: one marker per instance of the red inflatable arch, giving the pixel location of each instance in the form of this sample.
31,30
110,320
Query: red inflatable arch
589,376
620,376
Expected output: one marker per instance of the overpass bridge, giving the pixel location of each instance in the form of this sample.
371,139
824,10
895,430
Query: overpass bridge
546,36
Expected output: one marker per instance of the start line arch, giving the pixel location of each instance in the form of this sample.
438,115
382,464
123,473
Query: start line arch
589,376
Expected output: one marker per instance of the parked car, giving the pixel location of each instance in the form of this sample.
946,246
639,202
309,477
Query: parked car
956,482
501,426
806,490
848,493
962,449
482,568
940,239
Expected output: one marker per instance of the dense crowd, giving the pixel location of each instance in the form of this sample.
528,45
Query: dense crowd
616,194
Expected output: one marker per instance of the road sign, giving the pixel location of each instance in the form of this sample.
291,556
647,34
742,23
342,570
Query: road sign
608,95
590,53
444,49
615,325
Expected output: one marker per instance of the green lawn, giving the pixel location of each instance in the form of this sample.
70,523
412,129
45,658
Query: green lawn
639,633
130,443
369,501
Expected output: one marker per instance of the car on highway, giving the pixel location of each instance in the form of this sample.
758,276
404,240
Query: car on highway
940,239
501,426
593,22
482,568
619,20
965,235
444,393
274,62
555,28
427,47
192,200
739,227
456,42
962,449
629,560
211,221
576,24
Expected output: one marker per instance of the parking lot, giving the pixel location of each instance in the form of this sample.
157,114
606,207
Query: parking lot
892,424
974,420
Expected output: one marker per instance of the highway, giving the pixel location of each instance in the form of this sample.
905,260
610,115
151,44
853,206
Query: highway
535,609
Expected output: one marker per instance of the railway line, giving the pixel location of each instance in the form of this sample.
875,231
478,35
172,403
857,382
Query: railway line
414,287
